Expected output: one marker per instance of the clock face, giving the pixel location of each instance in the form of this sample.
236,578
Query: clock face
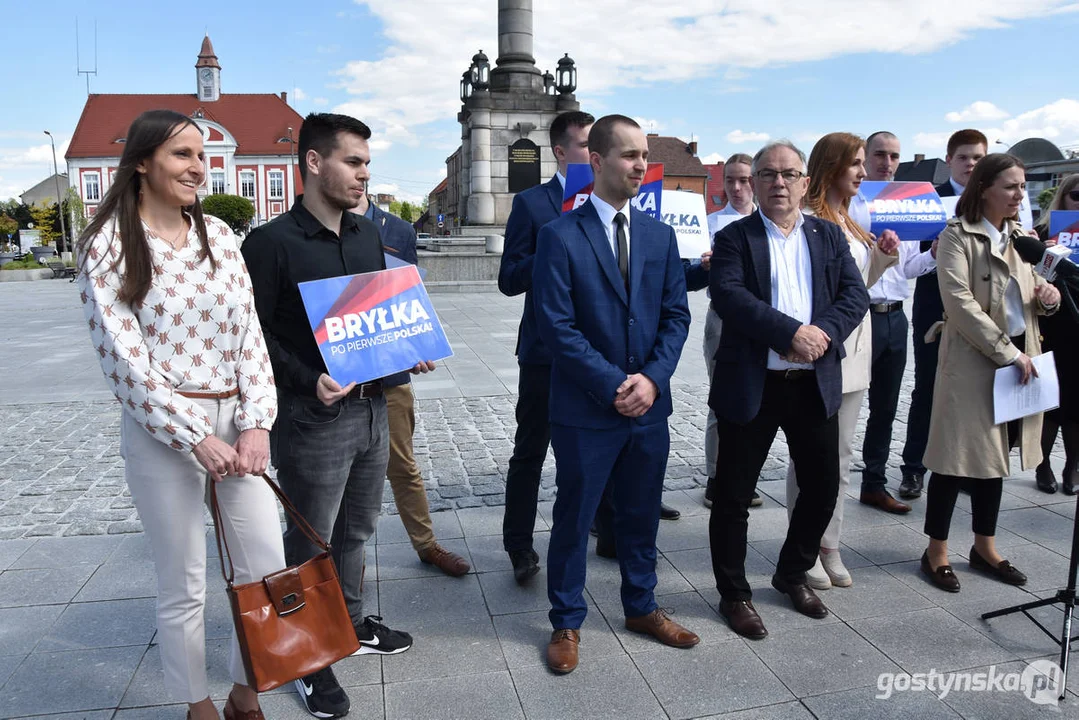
207,74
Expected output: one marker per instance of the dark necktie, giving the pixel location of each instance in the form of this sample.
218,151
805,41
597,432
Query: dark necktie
623,247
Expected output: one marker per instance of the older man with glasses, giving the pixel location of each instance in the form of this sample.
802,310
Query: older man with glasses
789,293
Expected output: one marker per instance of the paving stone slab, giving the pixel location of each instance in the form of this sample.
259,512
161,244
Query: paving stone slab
392,530
488,554
783,711
524,637
399,561
20,588
113,623
602,689
11,550
871,702
22,628
454,699
92,680
121,582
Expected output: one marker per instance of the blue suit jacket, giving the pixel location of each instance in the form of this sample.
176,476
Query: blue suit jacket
398,240
596,331
741,286
532,209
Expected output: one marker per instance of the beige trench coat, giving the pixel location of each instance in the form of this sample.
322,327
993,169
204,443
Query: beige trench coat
963,440
857,365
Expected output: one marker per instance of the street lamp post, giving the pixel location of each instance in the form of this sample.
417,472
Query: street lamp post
59,197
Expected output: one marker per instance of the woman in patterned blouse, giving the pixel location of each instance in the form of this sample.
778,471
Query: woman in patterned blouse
169,304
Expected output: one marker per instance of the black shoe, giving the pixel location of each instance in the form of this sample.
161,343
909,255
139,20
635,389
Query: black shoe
321,694
912,486
1045,478
666,512
709,492
756,501
525,565
377,639
1005,571
1068,486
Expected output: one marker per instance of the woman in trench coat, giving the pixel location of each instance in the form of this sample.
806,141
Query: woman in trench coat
991,300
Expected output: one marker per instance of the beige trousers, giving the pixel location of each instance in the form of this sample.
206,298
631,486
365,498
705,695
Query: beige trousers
170,491
848,421
409,493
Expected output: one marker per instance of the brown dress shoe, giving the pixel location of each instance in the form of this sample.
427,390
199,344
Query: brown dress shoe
450,563
743,618
231,713
802,597
943,577
660,626
882,499
562,650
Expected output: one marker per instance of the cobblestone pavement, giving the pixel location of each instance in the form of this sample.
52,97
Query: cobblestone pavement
61,472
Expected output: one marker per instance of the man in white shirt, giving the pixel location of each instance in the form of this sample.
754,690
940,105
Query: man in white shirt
890,332
737,176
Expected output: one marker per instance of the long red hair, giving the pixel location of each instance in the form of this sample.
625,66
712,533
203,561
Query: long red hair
831,157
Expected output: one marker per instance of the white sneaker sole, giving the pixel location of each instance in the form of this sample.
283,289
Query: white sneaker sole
365,650
304,698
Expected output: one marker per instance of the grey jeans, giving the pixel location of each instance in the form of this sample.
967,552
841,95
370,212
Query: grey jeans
712,328
331,463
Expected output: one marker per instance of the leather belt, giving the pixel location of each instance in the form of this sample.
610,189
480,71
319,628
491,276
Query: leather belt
884,308
791,373
367,390
210,395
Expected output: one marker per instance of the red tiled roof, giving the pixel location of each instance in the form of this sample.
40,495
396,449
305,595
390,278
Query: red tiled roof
256,121
207,57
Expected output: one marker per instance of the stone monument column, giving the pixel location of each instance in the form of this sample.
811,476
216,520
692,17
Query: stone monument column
515,65
481,203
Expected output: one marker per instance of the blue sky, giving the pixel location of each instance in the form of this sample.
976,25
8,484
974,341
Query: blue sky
725,74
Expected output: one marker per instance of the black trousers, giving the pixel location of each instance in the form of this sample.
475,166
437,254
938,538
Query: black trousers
530,445
794,405
921,401
984,504
886,380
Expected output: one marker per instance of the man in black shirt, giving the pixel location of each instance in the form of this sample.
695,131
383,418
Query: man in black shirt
330,443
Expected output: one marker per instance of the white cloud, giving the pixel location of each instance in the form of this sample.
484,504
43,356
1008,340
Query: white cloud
738,137
931,143
1057,122
414,81
976,112
649,125
298,94
713,158
34,156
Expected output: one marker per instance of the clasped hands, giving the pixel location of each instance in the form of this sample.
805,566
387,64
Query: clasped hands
888,242
809,344
248,456
634,397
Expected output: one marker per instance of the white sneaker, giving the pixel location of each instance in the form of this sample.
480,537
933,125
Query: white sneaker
817,578
833,565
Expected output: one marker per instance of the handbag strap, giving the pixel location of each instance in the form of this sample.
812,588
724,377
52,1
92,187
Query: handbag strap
290,510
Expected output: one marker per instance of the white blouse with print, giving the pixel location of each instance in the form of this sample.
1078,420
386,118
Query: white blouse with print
196,331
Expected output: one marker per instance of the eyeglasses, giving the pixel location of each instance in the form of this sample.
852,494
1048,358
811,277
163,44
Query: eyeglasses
1074,195
789,176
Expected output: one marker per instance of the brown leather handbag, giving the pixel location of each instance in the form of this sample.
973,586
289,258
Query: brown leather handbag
293,622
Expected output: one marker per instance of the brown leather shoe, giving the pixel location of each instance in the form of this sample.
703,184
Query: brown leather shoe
943,577
450,563
562,650
743,618
802,597
659,625
231,713
882,499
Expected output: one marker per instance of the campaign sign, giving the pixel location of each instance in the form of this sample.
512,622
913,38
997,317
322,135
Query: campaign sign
685,212
1064,226
912,209
374,324
579,186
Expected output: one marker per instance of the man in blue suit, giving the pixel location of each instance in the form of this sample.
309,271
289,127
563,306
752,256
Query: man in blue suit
789,293
610,302
532,209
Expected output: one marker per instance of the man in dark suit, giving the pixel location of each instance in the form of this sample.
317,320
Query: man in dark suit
532,209
789,293
965,149
610,298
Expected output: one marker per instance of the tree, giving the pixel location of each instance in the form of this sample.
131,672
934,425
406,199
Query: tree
76,211
233,210
1045,198
408,212
8,226
395,208
45,218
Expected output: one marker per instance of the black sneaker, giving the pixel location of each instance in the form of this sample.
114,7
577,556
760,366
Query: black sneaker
322,696
912,486
375,638
525,565
756,500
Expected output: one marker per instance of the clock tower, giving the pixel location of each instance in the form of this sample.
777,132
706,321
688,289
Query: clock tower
208,73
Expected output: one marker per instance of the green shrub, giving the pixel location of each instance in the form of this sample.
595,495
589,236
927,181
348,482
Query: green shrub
27,263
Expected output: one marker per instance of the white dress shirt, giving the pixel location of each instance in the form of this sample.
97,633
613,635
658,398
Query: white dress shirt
859,211
606,213
1013,298
956,186
791,279
894,284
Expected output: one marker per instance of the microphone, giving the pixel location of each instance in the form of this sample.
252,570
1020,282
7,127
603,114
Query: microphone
1049,261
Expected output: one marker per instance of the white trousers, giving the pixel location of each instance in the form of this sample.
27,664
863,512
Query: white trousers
170,490
848,421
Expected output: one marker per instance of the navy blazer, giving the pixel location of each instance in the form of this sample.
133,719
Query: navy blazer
399,241
928,307
598,333
741,285
532,209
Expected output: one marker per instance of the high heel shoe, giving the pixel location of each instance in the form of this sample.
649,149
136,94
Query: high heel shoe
231,713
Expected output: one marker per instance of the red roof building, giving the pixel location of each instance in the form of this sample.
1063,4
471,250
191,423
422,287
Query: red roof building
715,197
250,140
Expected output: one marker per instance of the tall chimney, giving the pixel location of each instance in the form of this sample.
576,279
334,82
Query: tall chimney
691,148
284,97
918,158
515,66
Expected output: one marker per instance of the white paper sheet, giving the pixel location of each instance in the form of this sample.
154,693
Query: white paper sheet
1012,401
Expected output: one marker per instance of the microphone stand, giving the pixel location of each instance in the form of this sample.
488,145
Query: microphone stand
1067,596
